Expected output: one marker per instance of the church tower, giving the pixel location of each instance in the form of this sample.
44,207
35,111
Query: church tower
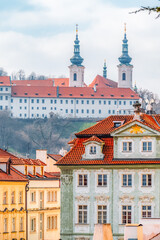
125,68
105,70
76,68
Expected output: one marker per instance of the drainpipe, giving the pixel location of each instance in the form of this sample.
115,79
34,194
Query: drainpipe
26,208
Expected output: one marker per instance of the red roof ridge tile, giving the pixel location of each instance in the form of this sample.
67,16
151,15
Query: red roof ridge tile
94,138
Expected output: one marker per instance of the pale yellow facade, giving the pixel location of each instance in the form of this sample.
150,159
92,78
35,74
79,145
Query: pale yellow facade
43,202
12,210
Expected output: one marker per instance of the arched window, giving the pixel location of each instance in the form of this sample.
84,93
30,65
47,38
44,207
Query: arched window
75,77
123,76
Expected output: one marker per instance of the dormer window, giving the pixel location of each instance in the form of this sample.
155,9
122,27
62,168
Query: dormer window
118,123
92,149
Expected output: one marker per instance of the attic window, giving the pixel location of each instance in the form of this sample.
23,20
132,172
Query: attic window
96,84
1,82
107,85
60,94
70,94
112,95
63,83
102,95
92,95
122,95
81,94
49,94
25,93
132,95
117,124
36,93
15,93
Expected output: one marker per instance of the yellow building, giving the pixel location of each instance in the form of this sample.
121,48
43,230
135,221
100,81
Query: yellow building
12,201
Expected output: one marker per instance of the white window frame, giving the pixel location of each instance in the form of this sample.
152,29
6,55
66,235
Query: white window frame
93,150
127,141
33,196
147,142
147,180
103,185
13,224
102,211
83,213
33,224
83,180
127,181
127,215
146,211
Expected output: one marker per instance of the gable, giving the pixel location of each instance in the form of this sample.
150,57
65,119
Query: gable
135,128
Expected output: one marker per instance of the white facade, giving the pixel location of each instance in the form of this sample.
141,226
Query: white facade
125,76
76,76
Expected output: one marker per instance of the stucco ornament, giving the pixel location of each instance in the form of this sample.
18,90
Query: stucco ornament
146,199
136,129
82,198
102,198
126,199
66,179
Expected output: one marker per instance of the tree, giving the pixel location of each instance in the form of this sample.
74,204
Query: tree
21,74
32,76
2,72
149,9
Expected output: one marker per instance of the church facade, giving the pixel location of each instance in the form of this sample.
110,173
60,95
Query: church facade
111,175
71,97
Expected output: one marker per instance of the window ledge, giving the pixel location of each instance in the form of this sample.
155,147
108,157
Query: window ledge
13,231
82,224
102,186
5,232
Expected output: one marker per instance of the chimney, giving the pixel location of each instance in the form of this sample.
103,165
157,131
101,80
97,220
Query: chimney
9,167
137,111
95,88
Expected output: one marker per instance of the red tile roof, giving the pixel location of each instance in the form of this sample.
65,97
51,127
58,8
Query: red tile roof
56,157
103,129
64,82
5,81
14,175
73,92
93,138
102,82
29,83
72,141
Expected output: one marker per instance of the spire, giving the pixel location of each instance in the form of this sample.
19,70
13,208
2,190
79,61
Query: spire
135,87
105,69
76,59
125,58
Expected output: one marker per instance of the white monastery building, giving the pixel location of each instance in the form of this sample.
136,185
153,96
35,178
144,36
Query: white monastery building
71,97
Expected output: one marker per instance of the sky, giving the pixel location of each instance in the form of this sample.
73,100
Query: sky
38,35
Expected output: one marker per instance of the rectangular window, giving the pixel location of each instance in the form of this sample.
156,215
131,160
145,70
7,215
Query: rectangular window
20,100
92,101
109,111
87,110
33,196
7,89
102,214
124,102
11,100
119,102
99,111
5,225
61,101
1,97
55,101
76,110
109,102
71,101
37,100
147,146
99,102
76,101
13,224
146,211
92,111
113,111
82,180
126,214
21,197
82,101
66,110
43,101
92,150
104,102
115,102
66,101
87,101
5,198
130,102
33,224
1,89
146,180
127,146
6,97
25,100
102,180
52,196
12,197
51,101
82,214
21,224
127,180
82,111
51,222
32,100
71,110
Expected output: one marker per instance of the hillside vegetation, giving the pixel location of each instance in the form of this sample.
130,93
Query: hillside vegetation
24,136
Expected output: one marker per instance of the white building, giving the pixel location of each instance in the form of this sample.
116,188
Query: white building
71,97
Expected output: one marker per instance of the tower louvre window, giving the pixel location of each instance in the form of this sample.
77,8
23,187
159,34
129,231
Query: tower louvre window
123,76
75,77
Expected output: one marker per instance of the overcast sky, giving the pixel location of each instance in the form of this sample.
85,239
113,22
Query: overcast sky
38,35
